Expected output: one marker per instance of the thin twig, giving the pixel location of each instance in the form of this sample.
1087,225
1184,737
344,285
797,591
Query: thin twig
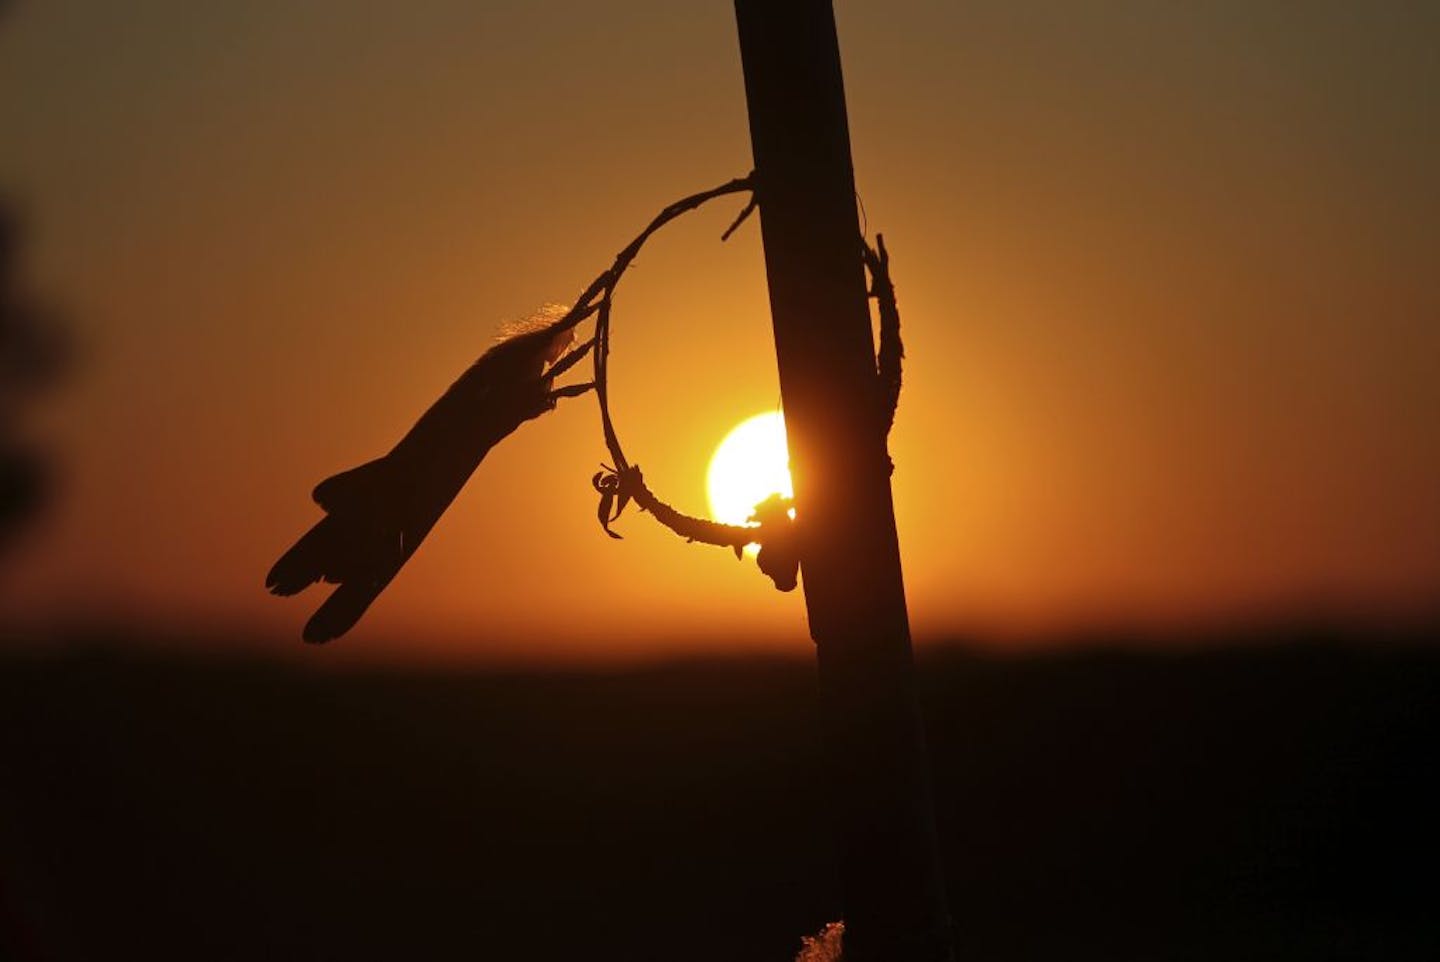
740,218
604,288
892,350
570,359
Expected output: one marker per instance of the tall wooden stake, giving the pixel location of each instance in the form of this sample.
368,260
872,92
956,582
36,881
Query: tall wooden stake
892,890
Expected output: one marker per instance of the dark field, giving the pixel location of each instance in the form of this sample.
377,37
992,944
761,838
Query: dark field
1270,802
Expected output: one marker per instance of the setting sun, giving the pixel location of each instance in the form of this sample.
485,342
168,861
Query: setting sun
751,464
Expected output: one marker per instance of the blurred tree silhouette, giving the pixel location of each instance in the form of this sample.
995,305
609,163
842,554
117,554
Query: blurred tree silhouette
33,351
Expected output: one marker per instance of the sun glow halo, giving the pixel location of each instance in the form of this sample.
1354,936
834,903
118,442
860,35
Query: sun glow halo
747,467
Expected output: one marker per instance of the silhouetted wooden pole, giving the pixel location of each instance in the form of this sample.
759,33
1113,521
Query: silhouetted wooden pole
894,901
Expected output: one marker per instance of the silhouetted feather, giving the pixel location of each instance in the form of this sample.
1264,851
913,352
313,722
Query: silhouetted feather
354,487
377,514
300,567
341,611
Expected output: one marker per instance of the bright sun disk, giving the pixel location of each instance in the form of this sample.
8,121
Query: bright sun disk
747,467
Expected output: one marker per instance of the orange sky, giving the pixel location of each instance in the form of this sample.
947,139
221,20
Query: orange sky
1167,279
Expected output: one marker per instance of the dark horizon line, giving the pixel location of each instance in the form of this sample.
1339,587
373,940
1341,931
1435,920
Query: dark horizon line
136,643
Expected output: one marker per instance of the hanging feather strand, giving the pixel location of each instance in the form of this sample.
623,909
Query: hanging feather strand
377,514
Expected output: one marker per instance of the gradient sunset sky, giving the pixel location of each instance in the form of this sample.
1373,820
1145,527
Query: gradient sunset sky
1168,275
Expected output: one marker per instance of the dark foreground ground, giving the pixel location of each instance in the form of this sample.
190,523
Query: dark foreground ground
1278,802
